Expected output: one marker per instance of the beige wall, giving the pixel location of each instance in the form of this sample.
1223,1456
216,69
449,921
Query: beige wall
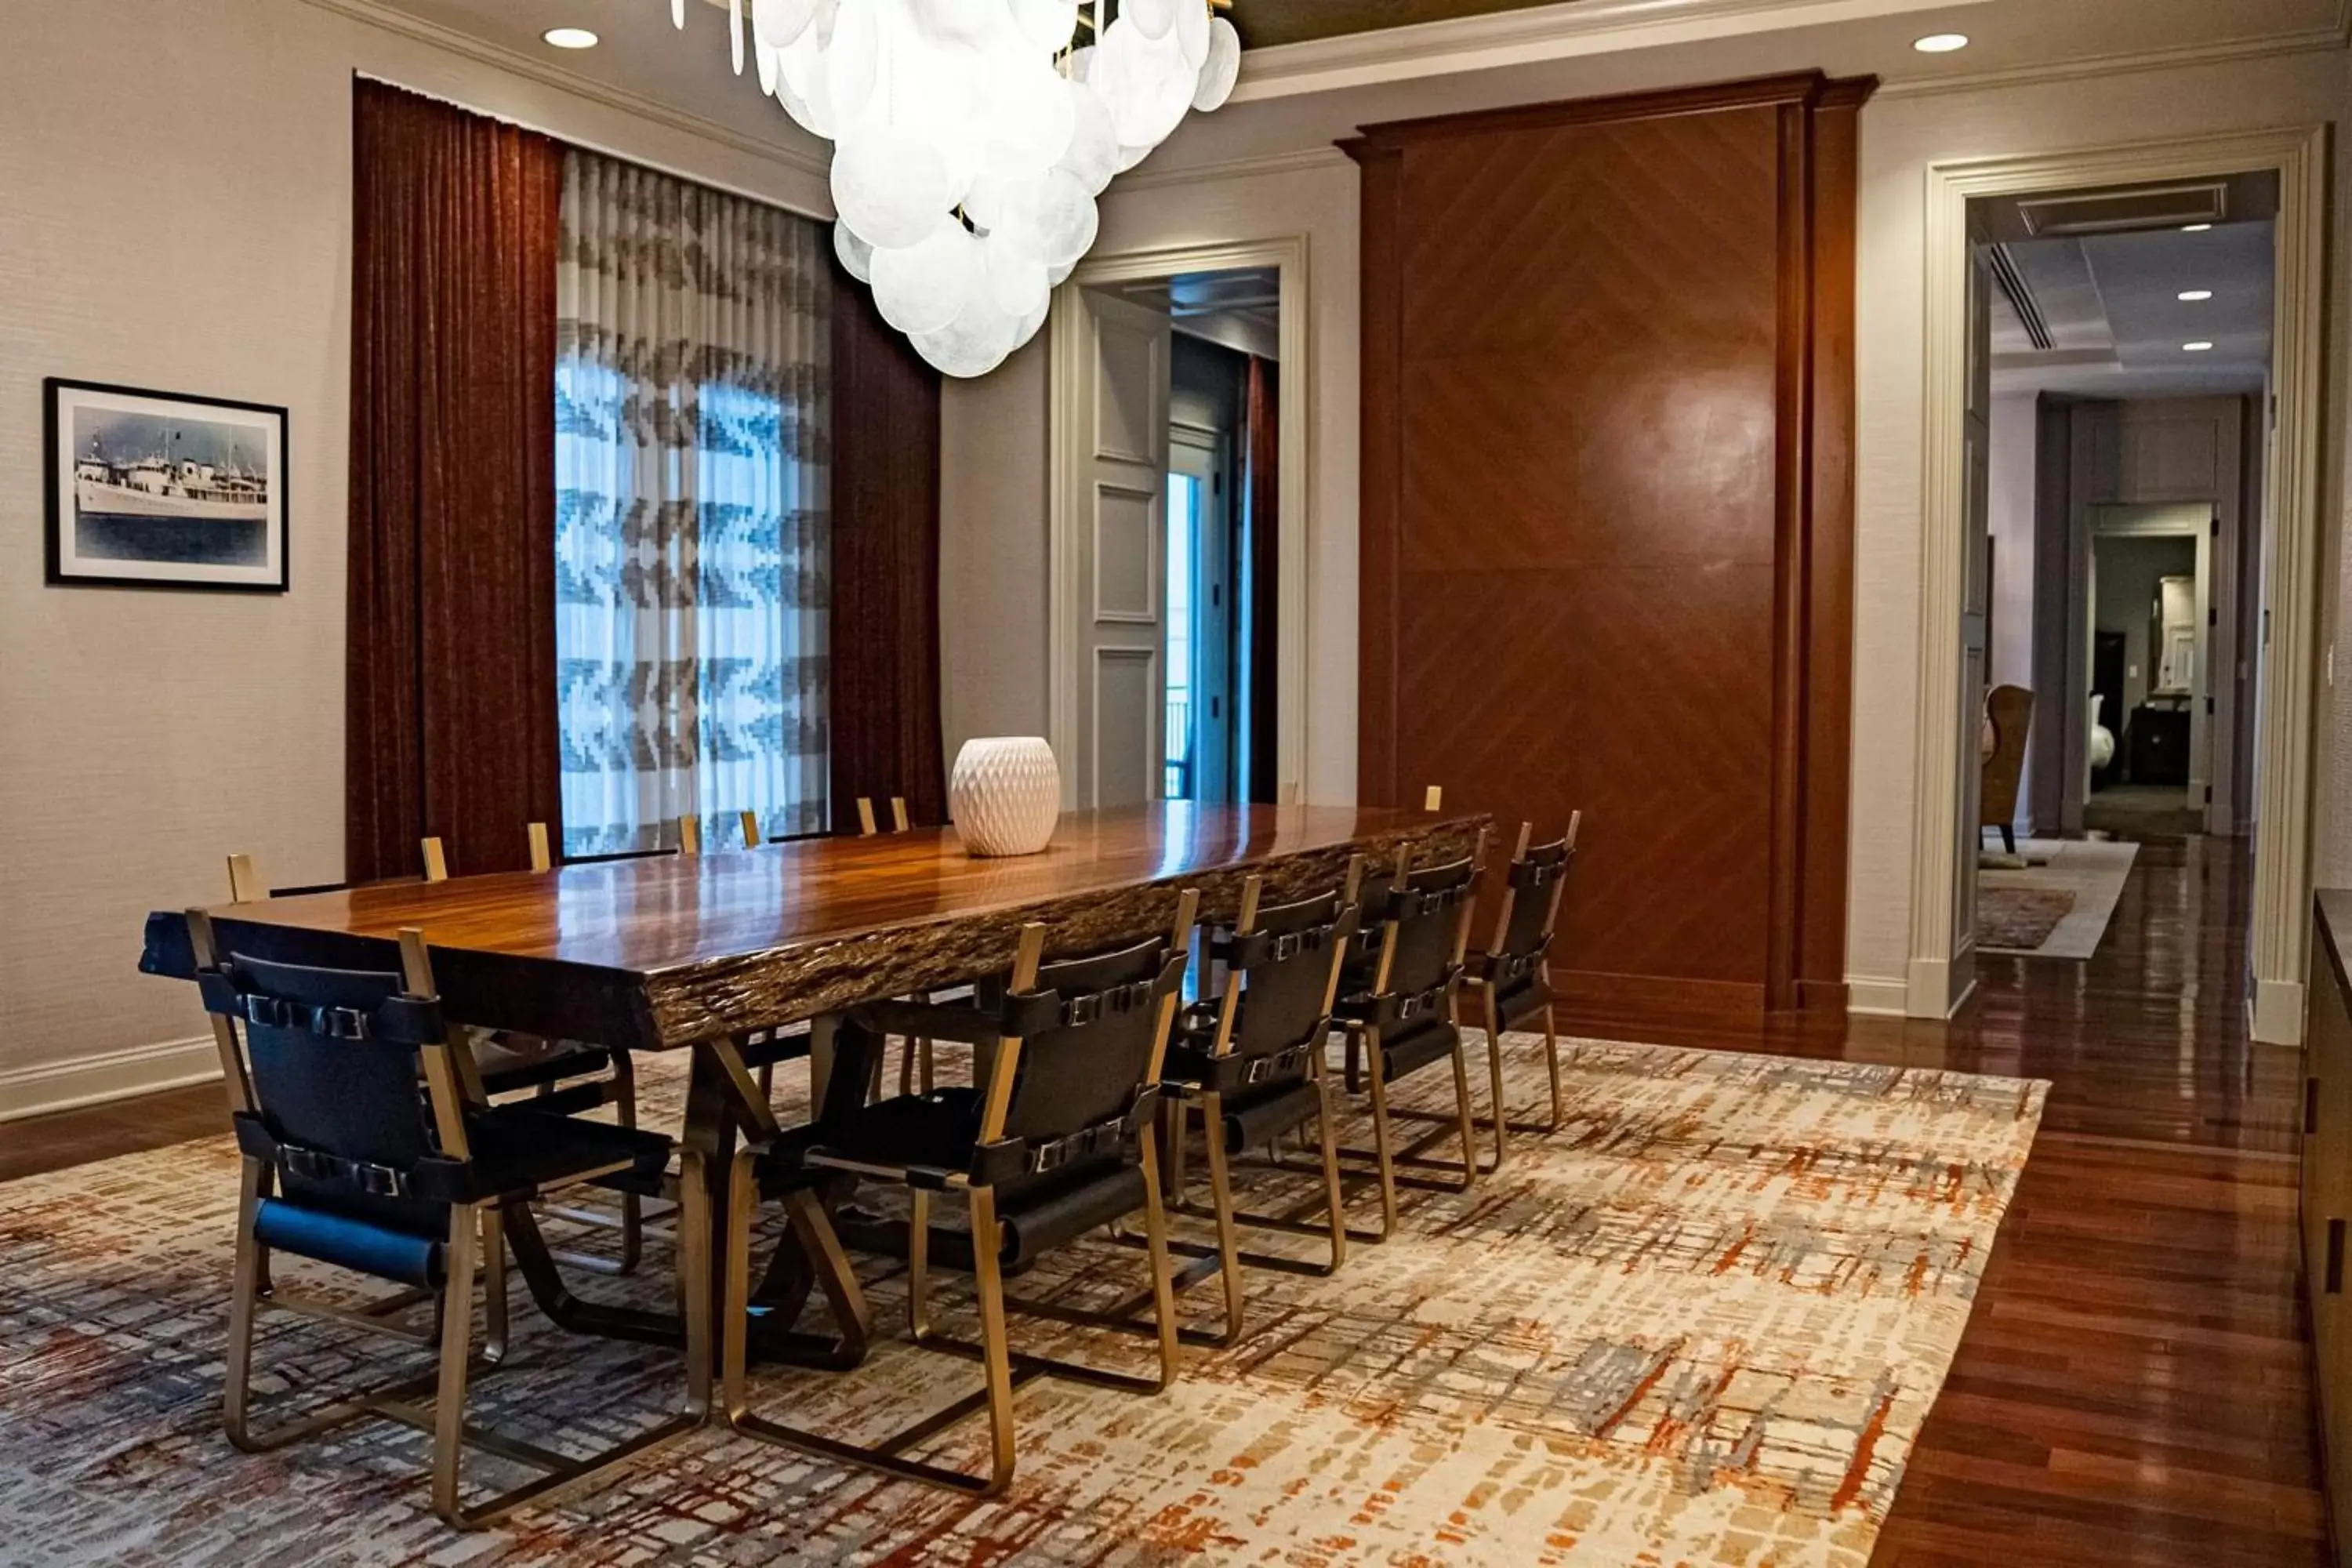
1901,136
174,213
992,467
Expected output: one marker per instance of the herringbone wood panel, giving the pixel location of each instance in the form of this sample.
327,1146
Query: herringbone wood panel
1588,332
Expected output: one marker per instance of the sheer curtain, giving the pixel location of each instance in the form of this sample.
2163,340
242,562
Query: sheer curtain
692,473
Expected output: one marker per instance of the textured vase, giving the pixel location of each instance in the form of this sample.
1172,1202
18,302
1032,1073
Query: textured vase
1004,794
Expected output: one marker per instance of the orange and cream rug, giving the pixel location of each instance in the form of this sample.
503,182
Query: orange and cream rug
1699,1324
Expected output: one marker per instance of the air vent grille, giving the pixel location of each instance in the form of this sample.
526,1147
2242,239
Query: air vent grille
2120,212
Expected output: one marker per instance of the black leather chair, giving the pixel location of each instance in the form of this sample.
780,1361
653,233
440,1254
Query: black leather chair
1250,1060
1511,983
1398,1013
1053,1143
323,1068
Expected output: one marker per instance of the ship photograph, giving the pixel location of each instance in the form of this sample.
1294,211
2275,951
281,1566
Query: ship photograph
157,488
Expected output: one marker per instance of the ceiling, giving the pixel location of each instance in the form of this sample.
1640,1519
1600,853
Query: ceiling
2115,322
1320,68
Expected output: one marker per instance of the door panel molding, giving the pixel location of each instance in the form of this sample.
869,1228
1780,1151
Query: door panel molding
1071,439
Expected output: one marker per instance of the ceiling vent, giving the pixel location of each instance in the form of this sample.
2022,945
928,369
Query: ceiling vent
2120,212
2013,287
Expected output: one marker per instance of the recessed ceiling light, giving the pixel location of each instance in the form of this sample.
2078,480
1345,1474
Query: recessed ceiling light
2195,227
569,37
1940,43
2195,348
2191,295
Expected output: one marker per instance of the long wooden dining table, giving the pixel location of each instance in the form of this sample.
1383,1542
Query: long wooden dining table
677,952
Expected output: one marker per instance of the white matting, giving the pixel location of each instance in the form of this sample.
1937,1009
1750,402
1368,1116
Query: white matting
2093,869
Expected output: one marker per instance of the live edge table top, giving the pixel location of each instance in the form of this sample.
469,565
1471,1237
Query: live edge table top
663,952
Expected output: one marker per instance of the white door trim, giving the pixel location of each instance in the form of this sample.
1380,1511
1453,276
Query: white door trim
2284,763
1066,445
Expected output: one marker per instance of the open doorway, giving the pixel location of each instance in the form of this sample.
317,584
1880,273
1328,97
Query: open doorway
1174,534
2118,436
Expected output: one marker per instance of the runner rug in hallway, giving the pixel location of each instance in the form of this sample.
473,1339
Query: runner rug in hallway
1700,1323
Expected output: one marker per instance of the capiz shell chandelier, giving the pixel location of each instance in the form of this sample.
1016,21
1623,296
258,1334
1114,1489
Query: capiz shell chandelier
972,137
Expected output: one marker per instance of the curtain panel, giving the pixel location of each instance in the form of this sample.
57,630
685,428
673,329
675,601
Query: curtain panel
449,705
692,448
885,579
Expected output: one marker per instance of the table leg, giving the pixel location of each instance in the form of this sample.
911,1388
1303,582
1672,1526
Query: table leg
714,1115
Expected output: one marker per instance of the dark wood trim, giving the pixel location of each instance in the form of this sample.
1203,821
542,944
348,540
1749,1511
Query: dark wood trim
1379,505
1792,506
1827,776
1821,996
1637,996
1808,88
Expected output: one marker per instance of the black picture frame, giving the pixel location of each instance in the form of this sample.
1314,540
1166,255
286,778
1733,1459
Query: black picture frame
67,564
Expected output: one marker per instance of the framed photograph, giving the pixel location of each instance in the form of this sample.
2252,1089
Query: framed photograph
157,489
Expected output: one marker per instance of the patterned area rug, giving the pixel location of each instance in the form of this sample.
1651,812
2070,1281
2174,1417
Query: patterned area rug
2019,920
1700,1324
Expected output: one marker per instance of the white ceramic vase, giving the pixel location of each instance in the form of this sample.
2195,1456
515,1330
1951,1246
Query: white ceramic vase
1004,794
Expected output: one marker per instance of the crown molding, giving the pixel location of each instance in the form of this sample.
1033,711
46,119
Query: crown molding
1144,177
376,14
1533,35
2316,40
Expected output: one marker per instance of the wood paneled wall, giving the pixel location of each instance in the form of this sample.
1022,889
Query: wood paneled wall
1607,515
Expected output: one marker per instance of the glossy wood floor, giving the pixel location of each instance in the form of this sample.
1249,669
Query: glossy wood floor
2134,1386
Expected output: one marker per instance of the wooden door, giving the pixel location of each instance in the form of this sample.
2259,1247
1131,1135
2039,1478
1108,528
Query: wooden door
1122,554
1976,605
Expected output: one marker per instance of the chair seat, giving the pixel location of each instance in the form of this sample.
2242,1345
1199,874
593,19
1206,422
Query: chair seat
1417,1047
380,1248
1259,1116
938,1133
520,1149
1522,1000
935,1131
511,1062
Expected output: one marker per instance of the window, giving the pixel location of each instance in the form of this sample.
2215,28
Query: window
1183,557
692,398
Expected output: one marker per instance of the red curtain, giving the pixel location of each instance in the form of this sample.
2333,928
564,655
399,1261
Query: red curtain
450,707
884,665
1262,416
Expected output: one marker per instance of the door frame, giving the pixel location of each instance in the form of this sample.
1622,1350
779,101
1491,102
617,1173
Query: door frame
1067,433
2200,531
1936,986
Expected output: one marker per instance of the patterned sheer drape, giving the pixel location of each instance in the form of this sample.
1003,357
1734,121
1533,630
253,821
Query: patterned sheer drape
692,471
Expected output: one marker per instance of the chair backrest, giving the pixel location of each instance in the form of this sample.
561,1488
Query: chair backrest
1532,885
327,1084
1283,971
868,824
1084,1038
2010,710
1425,918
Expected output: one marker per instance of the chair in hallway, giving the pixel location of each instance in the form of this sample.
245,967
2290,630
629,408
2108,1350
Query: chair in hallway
1251,1061
1055,1143
2009,719
346,1163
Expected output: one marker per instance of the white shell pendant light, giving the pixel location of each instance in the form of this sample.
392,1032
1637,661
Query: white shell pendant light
972,137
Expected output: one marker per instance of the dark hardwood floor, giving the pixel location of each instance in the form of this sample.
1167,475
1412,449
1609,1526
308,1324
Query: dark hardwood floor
2134,1387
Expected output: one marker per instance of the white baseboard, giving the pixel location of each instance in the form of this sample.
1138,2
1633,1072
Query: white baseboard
1875,996
1934,983
2277,1012
115,1075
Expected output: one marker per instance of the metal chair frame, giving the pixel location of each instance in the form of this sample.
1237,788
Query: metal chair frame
1364,1048
477,1240
1003,1369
